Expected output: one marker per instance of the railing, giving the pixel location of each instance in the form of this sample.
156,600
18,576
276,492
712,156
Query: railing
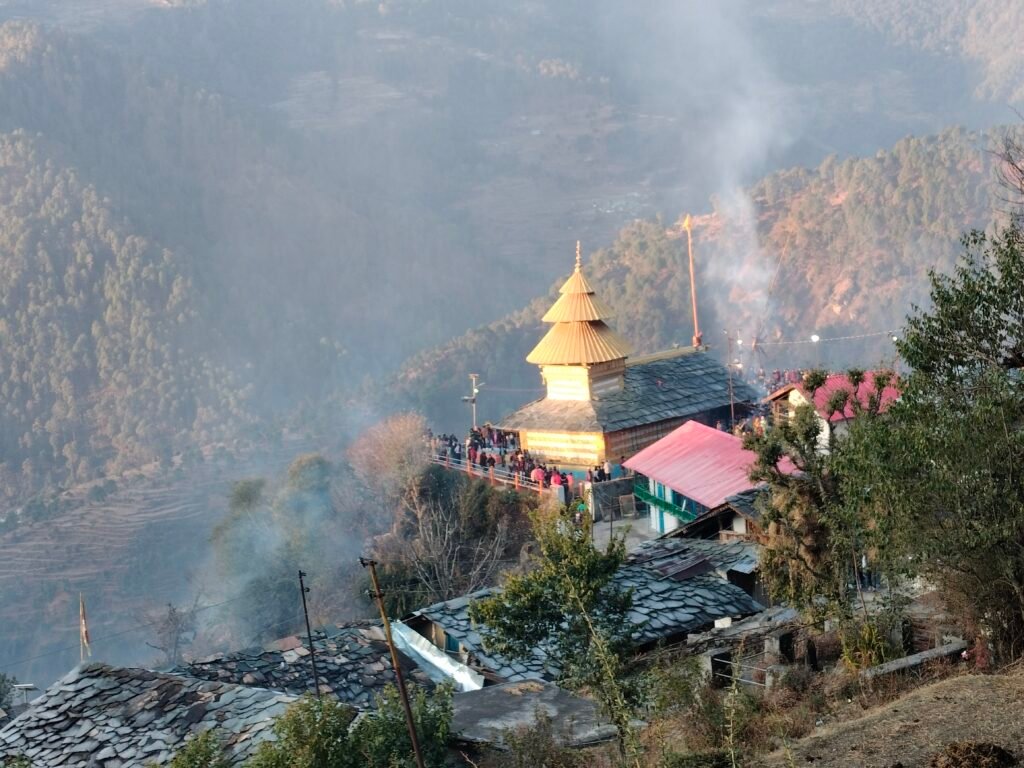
649,498
494,475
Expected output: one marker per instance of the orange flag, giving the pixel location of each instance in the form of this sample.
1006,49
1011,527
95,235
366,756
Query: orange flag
83,630
686,223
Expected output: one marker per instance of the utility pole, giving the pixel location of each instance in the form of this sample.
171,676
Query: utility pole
732,399
379,596
474,390
309,633
698,339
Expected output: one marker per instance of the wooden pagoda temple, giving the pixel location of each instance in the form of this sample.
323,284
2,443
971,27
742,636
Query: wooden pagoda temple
600,404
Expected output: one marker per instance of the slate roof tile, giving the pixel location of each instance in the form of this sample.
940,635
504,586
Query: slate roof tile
111,730
352,660
659,388
664,608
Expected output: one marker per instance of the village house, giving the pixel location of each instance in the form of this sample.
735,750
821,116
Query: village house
738,518
690,472
98,715
678,587
786,399
601,405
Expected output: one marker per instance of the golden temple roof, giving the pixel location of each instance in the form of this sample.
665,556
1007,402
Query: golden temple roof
579,335
579,344
577,307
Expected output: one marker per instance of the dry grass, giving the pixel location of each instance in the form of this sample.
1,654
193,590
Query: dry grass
910,730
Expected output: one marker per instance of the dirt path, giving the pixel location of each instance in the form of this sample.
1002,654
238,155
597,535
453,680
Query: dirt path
908,731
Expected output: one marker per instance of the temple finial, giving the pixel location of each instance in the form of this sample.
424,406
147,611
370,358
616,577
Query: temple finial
579,259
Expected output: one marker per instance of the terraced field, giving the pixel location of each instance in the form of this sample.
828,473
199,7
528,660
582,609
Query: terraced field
139,549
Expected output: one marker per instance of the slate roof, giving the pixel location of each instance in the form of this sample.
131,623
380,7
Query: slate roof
100,716
453,616
485,716
672,385
353,662
745,502
678,586
721,556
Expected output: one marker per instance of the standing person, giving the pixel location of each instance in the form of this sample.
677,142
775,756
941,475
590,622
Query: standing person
608,468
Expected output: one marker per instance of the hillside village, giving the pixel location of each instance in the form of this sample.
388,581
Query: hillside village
320,448
695,573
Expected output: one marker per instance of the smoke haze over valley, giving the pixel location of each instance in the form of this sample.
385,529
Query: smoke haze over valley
234,231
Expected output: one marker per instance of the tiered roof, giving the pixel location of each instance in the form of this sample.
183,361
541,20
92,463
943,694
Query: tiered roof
579,335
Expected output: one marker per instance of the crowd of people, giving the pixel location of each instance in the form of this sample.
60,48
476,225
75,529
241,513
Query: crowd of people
488,448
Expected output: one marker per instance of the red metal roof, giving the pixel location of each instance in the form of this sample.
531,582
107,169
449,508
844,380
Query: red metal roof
700,462
834,383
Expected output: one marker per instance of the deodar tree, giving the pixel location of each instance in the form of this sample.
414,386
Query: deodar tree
570,606
944,471
816,529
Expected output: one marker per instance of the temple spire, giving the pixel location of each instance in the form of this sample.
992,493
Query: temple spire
579,335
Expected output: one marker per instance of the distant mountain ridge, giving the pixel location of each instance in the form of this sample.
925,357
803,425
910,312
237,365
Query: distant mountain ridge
839,250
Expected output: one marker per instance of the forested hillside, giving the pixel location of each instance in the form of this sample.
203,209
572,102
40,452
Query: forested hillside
842,249
987,32
99,368
341,185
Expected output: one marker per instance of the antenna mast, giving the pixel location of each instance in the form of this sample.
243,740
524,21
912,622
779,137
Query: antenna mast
698,339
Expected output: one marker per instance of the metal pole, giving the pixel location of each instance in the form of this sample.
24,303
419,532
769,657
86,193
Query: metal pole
697,338
473,378
309,633
372,565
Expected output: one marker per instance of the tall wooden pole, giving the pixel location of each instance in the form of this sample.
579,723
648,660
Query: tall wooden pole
378,595
698,339
732,399
309,633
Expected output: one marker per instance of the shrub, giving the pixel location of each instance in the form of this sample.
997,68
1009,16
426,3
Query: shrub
539,745
866,646
202,751
717,759
797,678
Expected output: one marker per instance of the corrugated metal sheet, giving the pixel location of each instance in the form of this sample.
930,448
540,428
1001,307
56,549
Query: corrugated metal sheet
579,344
700,462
